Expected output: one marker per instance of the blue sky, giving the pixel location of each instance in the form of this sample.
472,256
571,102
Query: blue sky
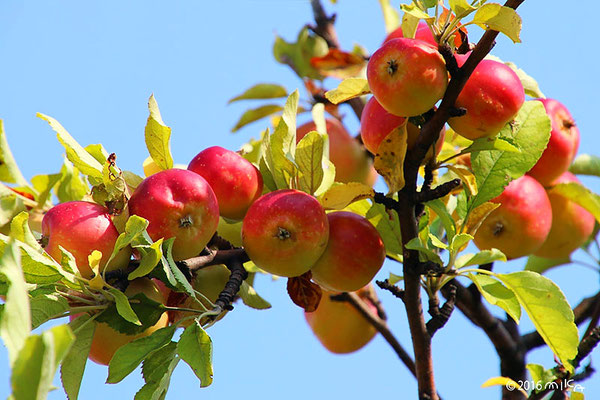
93,65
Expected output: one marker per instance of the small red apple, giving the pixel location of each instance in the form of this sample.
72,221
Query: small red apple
562,147
407,76
82,227
339,326
235,181
521,224
492,97
285,232
354,253
572,224
376,123
177,203
351,162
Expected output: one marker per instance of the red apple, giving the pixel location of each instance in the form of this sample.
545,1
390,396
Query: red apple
423,33
521,224
285,232
572,224
81,227
376,123
106,341
351,162
354,253
492,97
339,326
235,181
562,147
177,203
407,76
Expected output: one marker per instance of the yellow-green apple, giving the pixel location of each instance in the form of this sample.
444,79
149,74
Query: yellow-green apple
235,181
81,227
107,341
210,282
376,123
177,203
348,156
492,97
407,76
562,147
520,225
354,253
572,224
339,326
285,232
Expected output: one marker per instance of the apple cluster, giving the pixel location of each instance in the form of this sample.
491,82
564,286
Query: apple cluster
285,232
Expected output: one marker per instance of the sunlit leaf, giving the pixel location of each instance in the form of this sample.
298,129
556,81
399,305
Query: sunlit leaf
195,348
497,294
348,89
261,91
341,195
389,160
157,136
499,18
9,171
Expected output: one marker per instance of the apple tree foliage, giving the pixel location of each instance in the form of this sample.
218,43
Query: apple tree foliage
38,289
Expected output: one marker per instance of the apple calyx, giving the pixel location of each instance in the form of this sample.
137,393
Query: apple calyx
186,222
392,67
283,233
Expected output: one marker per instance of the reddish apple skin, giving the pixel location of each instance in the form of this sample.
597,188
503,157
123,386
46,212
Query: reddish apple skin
235,181
354,253
106,341
572,224
82,227
177,203
338,326
376,123
407,76
562,147
423,33
285,232
351,162
521,224
492,97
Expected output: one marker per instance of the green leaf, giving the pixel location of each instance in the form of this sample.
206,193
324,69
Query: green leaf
71,186
123,307
440,209
36,365
81,159
540,376
458,241
425,253
541,264
253,299
132,180
261,91
45,307
256,114
461,8
157,136
483,257
10,205
393,279
492,143
147,311
298,55
15,324
195,348
493,170
73,366
44,185
581,195
549,311
98,152
391,18
157,370
499,18
409,26
348,89
586,164
134,227
341,195
19,230
9,171
151,256
129,356
388,226
416,12
309,158
497,294
530,85
437,242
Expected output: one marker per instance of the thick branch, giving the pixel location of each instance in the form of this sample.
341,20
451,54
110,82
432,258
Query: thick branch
237,277
440,315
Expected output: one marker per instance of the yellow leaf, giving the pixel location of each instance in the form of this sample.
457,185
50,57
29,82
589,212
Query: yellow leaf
348,89
97,282
466,176
389,160
503,381
478,215
342,195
